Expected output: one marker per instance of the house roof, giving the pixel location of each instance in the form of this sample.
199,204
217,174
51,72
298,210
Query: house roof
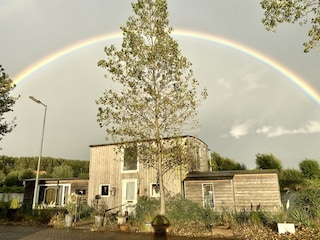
225,174
166,138
54,179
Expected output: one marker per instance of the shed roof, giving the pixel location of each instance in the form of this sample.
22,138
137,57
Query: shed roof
225,174
166,138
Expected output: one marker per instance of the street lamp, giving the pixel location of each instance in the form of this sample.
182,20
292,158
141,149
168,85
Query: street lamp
36,185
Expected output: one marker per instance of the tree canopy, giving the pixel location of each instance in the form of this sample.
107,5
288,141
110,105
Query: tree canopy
268,161
310,168
154,94
6,102
303,12
219,163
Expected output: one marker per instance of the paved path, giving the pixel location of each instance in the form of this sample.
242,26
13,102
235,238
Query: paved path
41,233
35,233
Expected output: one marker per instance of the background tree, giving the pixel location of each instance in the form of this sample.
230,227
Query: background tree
219,163
26,174
310,168
297,11
6,102
12,179
154,93
291,179
63,171
268,161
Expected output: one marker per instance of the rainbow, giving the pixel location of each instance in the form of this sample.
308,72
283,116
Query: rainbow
293,77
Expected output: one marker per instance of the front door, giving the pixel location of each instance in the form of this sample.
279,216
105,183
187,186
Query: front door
129,195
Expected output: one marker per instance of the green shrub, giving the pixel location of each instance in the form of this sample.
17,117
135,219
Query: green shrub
13,189
145,209
12,179
308,202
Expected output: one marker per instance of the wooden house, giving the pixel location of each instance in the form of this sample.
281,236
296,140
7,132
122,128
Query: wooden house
54,192
117,178
234,190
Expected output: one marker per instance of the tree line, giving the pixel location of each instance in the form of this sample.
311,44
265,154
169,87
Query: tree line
13,170
306,177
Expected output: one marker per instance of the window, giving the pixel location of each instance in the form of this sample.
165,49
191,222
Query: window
154,190
104,190
52,195
130,159
207,192
130,191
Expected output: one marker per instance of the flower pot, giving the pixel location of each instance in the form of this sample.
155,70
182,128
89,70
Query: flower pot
124,227
98,220
68,220
160,225
121,220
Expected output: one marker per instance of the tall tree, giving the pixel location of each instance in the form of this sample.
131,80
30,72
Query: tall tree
268,161
63,171
219,163
294,11
6,102
154,94
310,168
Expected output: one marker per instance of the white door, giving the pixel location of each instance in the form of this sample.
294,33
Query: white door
129,195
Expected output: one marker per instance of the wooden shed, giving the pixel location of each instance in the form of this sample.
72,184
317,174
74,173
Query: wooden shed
234,190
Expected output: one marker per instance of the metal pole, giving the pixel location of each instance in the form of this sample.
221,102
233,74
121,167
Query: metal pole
36,185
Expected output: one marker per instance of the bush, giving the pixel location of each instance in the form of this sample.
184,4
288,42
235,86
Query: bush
145,209
308,204
14,189
12,179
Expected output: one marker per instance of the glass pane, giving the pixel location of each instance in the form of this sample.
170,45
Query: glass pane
130,158
208,195
105,190
50,195
130,191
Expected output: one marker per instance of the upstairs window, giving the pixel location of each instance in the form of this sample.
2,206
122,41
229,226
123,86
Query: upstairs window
130,159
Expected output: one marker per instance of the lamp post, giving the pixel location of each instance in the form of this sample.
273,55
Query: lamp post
36,185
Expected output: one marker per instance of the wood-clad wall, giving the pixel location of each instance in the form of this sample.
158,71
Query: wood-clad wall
105,168
223,194
242,192
257,190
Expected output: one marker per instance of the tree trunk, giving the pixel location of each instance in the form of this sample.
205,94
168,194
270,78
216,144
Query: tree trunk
161,185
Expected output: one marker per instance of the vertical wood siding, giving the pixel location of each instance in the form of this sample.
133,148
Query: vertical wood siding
105,168
243,192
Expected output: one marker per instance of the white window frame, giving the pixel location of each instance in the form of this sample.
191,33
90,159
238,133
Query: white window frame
212,195
100,189
152,193
65,188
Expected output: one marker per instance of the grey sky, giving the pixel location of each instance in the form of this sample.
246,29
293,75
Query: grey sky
251,108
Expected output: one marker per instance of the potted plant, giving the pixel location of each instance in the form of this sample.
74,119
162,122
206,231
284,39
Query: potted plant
98,219
70,214
71,210
160,224
99,213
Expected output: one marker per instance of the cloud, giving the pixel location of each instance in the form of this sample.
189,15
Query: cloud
240,129
252,81
226,85
308,128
